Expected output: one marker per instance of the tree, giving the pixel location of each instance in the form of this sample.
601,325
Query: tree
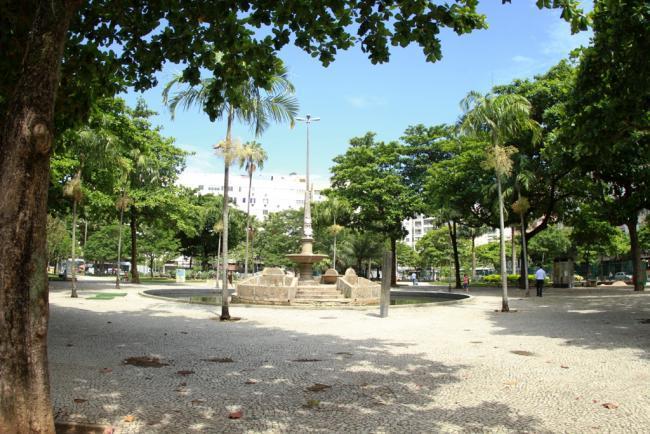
251,105
609,115
69,49
406,256
58,240
367,177
330,216
279,233
552,243
252,158
499,119
360,247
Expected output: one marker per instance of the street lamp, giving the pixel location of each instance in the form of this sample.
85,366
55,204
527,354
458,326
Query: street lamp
307,231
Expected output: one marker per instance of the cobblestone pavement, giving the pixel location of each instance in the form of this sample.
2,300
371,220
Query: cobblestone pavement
555,365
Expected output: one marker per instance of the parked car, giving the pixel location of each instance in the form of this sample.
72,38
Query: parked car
622,276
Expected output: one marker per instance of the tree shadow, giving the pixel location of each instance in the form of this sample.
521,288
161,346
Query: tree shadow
591,319
375,384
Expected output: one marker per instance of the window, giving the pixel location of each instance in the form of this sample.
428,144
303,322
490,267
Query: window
243,200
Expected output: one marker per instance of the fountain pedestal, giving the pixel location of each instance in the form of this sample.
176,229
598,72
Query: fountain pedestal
306,260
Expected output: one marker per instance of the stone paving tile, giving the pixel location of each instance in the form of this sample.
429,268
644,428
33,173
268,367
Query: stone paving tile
453,368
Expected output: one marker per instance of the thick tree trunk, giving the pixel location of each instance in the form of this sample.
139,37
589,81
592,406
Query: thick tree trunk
73,262
393,253
26,135
248,221
453,234
119,248
473,256
502,246
135,276
513,248
636,253
524,257
225,312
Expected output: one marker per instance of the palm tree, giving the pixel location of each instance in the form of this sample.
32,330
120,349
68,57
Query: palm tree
74,191
334,208
253,106
252,158
500,119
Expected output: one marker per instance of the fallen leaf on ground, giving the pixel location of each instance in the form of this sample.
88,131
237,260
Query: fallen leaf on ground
610,405
219,360
251,381
183,333
183,384
564,367
69,345
184,373
318,387
197,401
79,400
144,362
522,353
307,360
129,418
105,370
237,414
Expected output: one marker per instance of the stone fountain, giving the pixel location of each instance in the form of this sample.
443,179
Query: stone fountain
273,286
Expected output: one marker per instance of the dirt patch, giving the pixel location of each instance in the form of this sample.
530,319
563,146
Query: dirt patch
318,387
145,362
307,360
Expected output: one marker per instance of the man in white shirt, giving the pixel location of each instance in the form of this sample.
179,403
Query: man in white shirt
540,275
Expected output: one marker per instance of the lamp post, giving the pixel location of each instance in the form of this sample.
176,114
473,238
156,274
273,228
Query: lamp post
307,230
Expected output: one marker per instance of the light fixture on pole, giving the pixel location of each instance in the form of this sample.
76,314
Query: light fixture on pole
307,230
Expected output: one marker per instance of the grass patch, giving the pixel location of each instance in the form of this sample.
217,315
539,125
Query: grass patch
55,278
106,295
156,279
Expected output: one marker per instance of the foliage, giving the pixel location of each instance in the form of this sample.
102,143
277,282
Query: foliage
58,239
359,248
101,245
278,236
552,243
406,256
609,115
368,179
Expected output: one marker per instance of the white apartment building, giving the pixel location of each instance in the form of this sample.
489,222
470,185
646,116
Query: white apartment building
421,224
269,193
416,228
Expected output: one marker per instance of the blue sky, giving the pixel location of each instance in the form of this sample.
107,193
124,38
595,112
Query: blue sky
352,96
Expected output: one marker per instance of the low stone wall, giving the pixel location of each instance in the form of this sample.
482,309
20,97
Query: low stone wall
359,289
267,289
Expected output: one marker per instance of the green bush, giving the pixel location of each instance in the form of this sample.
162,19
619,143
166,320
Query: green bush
512,278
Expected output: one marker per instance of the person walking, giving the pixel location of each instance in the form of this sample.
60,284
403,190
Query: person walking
540,275
466,283
414,278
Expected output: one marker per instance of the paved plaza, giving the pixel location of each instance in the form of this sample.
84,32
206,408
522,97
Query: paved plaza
572,361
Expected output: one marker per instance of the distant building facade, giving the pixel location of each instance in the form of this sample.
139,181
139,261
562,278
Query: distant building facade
269,193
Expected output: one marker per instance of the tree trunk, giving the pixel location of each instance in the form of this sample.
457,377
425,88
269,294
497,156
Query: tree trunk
473,256
524,256
26,134
636,253
135,276
151,259
454,245
119,247
73,262
513,249
248,220
393,253
502,245
216,268
225,313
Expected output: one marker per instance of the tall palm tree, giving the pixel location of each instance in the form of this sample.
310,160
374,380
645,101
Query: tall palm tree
74,191
251,105
500,119
252,158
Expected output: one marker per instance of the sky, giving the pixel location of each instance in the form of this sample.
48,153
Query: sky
353,97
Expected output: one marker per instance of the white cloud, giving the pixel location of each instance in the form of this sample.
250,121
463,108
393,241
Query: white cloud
560,41
362,102
522,59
